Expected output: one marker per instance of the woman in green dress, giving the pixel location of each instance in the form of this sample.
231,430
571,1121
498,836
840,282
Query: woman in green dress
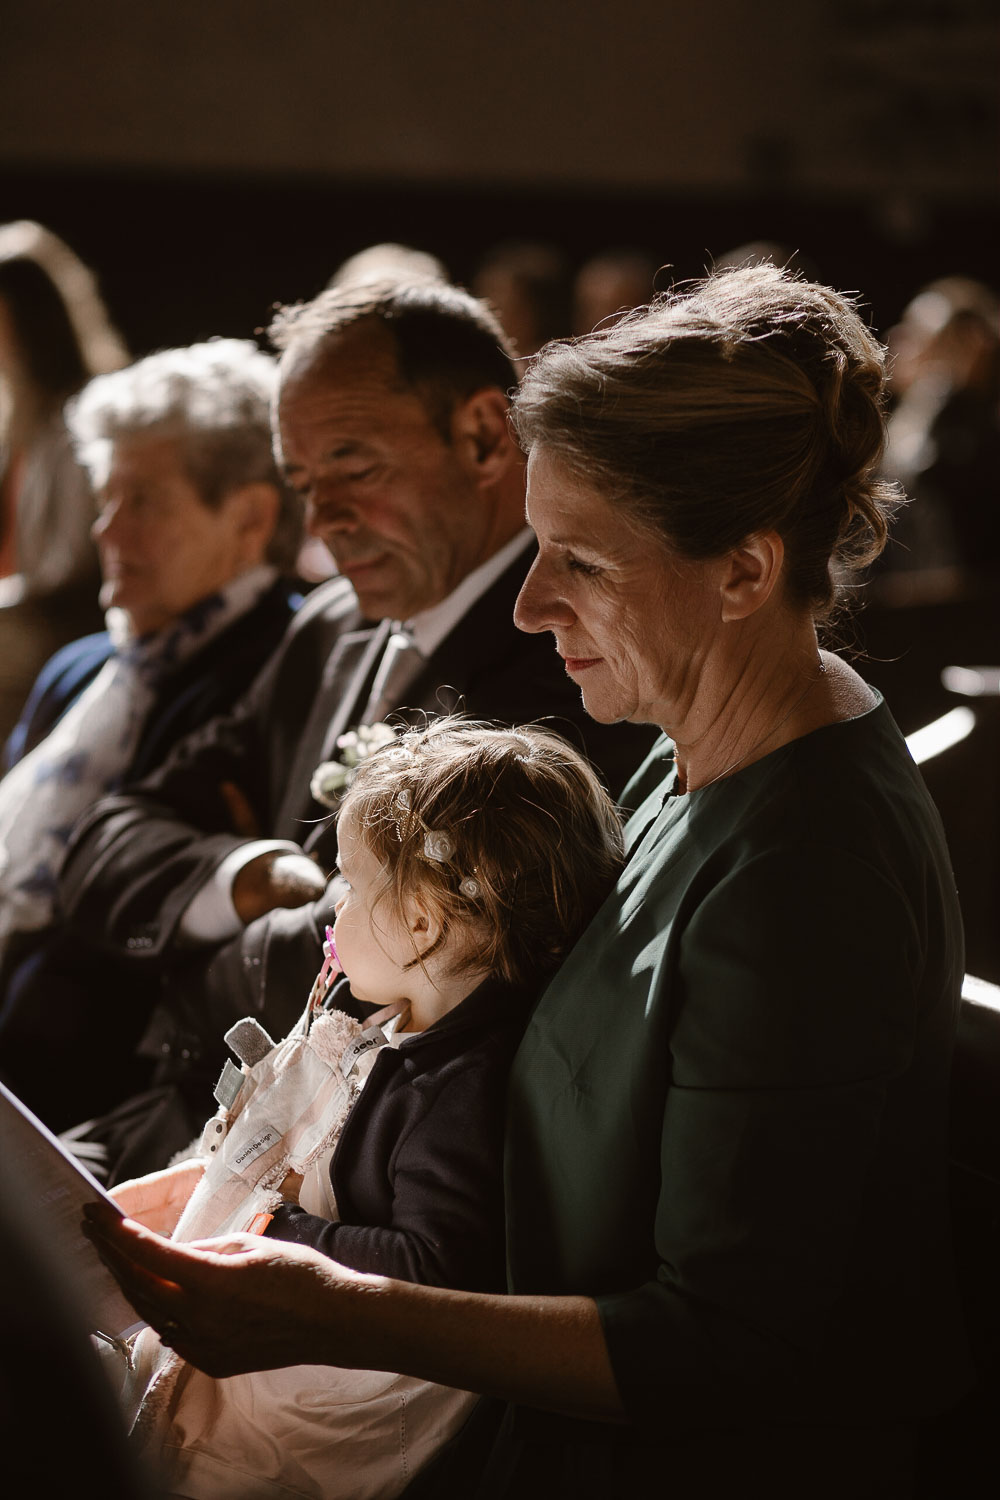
727,1205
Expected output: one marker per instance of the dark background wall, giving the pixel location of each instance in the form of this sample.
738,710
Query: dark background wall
211,157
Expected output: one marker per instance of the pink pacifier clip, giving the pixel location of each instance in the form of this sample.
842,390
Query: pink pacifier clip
331,963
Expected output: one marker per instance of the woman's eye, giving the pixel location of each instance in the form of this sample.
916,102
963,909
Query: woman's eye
576,566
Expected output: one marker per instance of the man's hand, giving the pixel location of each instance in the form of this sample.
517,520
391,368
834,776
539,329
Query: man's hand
158,1200
276,879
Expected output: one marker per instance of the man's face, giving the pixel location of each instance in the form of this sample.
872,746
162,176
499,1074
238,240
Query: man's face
383,490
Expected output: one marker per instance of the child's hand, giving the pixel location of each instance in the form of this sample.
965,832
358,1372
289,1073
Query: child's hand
157,1201
291,1187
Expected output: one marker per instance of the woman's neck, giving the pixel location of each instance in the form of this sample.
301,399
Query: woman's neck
772,692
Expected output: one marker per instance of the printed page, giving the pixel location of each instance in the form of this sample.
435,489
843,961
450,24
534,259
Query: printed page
55,1187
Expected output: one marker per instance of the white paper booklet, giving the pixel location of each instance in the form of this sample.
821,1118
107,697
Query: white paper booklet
55,1187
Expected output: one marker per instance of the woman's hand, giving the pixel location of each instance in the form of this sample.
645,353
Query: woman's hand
237,1303
157,1201
243,1303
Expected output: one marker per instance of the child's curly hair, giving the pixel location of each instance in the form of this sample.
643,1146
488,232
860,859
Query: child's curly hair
507,831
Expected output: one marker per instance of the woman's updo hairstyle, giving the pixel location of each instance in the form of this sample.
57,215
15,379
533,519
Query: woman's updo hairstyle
749,401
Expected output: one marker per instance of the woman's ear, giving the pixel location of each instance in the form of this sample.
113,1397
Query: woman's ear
481,435
751,574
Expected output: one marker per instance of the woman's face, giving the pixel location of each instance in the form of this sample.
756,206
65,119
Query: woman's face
161,548
373,945
633,621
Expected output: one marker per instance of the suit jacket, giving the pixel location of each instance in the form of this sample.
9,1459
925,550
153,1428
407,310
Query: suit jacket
138,858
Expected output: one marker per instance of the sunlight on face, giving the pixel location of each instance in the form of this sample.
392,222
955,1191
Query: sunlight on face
383,490
373,942
632,620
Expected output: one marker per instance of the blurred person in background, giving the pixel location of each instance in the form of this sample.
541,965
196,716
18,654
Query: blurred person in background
611,283
197,536
54,335
530,289
944,443
389,261
767,253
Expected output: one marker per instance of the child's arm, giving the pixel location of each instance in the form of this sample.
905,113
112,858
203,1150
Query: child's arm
421,1203
159,1199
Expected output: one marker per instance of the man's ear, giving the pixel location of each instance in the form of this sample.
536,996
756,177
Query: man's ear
481,436
254,508
750,575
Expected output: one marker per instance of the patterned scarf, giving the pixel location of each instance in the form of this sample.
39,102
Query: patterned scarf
88,752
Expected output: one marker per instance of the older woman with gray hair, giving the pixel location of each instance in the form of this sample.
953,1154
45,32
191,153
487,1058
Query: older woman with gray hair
728,1241
197,537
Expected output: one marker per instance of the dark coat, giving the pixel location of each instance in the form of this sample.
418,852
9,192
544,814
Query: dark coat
418,1170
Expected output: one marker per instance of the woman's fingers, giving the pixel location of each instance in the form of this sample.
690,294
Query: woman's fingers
227,1305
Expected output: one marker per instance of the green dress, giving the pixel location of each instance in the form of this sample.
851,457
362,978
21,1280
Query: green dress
728,1115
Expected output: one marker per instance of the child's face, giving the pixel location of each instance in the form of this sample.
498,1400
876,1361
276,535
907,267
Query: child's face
372,941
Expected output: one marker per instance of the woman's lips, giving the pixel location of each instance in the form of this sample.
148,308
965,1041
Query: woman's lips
580,663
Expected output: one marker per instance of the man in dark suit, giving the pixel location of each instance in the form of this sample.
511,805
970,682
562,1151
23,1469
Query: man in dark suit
208,882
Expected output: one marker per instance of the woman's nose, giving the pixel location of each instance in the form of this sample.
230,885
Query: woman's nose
538,605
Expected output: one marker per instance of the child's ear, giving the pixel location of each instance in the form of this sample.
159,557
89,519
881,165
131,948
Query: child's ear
425,926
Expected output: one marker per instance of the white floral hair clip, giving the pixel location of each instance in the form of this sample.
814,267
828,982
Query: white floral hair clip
438,846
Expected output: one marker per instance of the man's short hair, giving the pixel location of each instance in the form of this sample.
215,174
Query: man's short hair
448,344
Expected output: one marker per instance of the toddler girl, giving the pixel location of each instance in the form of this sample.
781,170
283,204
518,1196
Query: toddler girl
471,859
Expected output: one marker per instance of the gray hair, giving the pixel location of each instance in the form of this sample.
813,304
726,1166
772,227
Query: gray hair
214,401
